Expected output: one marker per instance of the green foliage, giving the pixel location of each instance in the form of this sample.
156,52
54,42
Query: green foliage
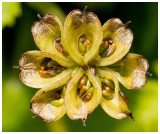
145,110
13,108
10,11
46,8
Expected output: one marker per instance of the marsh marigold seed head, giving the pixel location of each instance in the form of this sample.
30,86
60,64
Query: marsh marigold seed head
79,66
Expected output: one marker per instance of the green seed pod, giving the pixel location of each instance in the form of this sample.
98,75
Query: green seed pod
57,103
88,85
82,47
103,54
90,90
51,63
58,71
88,47
107,93
102,79
107,82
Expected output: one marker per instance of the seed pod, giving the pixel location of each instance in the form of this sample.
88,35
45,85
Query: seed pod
82,48
88,47
102,79
88,44
82,91
124,97
106,82
57,103
51,63
87,97
103,47
107,92
59,46
46,73
109,83
83,81
87,94
90,90
104,53
88,85
58,71
111,49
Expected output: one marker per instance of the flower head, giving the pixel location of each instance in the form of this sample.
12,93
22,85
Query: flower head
80,65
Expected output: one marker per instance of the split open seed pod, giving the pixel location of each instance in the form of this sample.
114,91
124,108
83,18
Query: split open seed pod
116,31
131,71
115,106
49,105
76,108
30,65
76,24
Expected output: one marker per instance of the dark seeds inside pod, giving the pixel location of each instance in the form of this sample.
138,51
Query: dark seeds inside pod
85,89
107,48
84,44
107,92
60,48
107,88
50,68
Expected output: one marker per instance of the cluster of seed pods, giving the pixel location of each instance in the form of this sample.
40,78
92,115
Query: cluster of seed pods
80,66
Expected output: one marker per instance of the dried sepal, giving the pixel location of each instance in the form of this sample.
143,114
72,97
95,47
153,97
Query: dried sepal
30,66
131,71
46,106
76,106
110,27
122,38
76,24
114,106
45,32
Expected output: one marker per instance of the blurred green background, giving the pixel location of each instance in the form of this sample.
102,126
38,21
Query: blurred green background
17,19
